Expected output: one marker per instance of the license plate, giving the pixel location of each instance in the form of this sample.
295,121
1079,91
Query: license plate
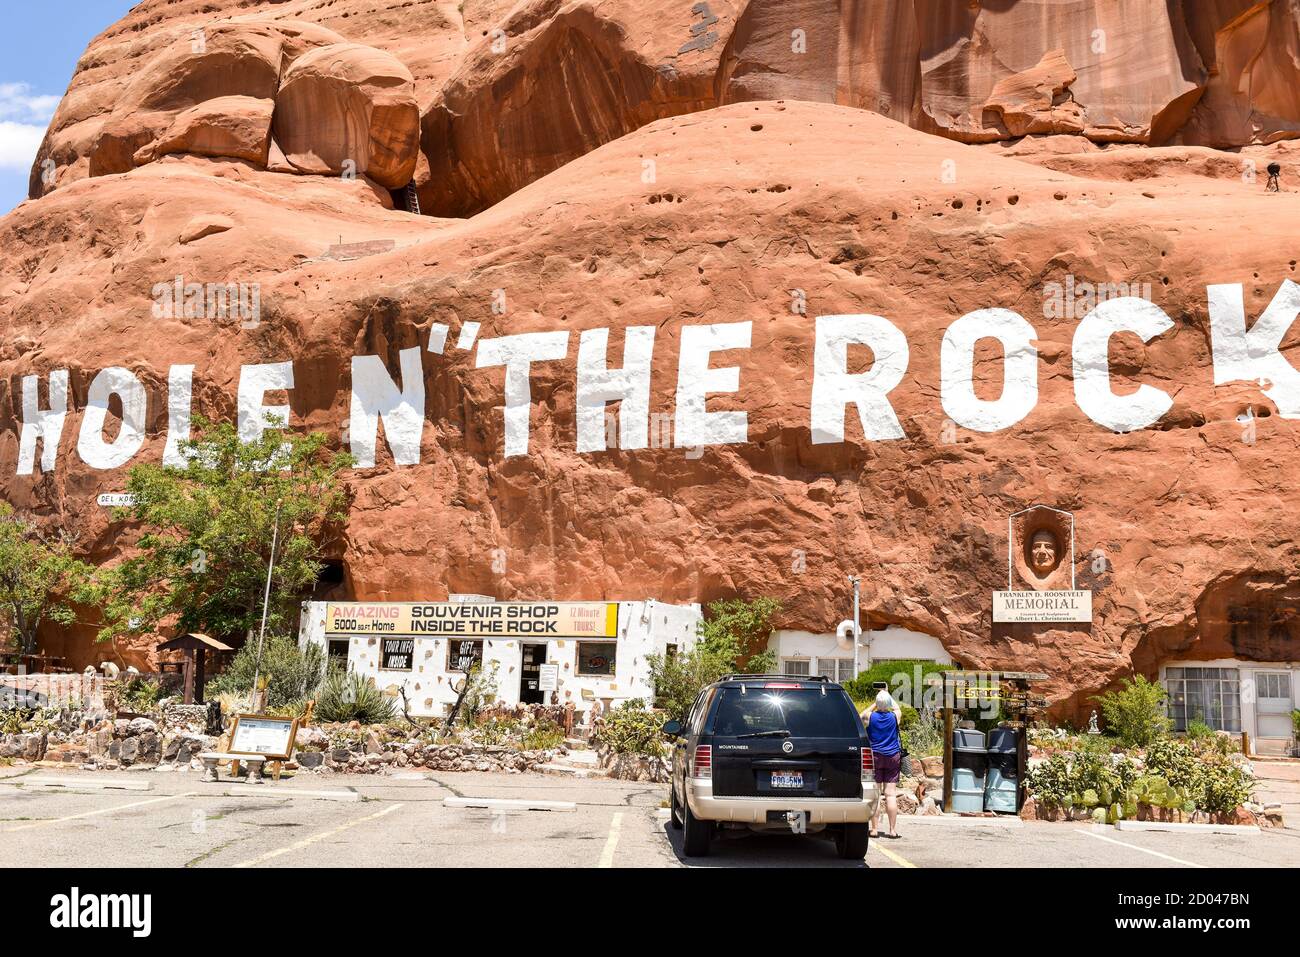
787,779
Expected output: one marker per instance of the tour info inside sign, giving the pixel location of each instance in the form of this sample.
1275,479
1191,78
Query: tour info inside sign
498,619
397,654
1018,607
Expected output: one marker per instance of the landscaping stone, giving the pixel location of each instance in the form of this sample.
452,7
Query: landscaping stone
633,767
185,717
1241,816
311,736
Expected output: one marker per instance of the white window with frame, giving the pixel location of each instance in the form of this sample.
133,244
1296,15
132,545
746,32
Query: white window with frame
835,669
1209,695
795,666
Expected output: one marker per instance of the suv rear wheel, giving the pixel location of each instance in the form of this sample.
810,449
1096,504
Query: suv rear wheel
851,841
696,834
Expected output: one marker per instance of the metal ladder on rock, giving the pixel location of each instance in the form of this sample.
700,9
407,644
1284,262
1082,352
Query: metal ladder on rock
412,198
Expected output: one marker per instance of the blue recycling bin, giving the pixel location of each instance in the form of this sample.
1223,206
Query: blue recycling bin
1002,783
969,770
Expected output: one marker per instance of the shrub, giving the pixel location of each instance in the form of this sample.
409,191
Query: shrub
901,678
292,674
493,732
138,694
348,696
1199,731
18,720
924,736
1090,777
1209,781
1135,713
631,731
1225,787
290,709
1176,762
1052,782
542,736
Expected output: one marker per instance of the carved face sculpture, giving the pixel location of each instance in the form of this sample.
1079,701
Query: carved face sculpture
1043,552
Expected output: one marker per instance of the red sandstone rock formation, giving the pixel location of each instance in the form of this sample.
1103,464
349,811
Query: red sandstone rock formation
546,140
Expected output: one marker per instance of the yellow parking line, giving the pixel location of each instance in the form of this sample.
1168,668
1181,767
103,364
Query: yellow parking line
898,859
607,855
307,841
103,810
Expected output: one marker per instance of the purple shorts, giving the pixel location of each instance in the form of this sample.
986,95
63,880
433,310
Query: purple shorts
885,767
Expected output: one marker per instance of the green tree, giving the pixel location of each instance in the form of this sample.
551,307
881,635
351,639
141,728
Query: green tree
1135,712
732,638
201,562
40,580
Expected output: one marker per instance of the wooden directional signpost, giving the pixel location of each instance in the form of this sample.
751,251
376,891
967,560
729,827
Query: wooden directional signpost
196,647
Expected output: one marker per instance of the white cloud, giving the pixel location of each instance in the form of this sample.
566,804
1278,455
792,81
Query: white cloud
18,144
24,115
20,104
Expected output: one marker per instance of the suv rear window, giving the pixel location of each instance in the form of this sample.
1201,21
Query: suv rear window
803,712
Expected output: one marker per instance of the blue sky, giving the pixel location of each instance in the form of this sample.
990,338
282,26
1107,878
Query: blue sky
39,48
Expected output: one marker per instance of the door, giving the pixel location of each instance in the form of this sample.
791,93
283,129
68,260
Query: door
530,690
1273,704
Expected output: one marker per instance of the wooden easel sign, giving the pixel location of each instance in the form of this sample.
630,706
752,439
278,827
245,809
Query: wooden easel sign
272,738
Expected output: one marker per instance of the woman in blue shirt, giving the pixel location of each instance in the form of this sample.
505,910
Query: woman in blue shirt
883,721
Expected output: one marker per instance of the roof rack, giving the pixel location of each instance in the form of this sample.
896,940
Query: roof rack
774,675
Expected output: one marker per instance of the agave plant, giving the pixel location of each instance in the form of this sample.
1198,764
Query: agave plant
348,696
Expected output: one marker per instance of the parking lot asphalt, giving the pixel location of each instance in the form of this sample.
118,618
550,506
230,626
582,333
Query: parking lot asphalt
406,821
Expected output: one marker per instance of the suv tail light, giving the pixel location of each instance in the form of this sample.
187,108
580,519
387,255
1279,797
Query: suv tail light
783,684
867,764
702,765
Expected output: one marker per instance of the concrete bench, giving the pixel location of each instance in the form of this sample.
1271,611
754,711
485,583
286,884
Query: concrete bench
211,758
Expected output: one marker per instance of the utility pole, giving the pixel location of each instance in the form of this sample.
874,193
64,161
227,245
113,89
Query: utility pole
855,581
266,598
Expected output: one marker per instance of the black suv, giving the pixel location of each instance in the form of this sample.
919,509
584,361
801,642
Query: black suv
772,752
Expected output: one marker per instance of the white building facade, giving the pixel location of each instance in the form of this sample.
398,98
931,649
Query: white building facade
535,652
808,653
1235,695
